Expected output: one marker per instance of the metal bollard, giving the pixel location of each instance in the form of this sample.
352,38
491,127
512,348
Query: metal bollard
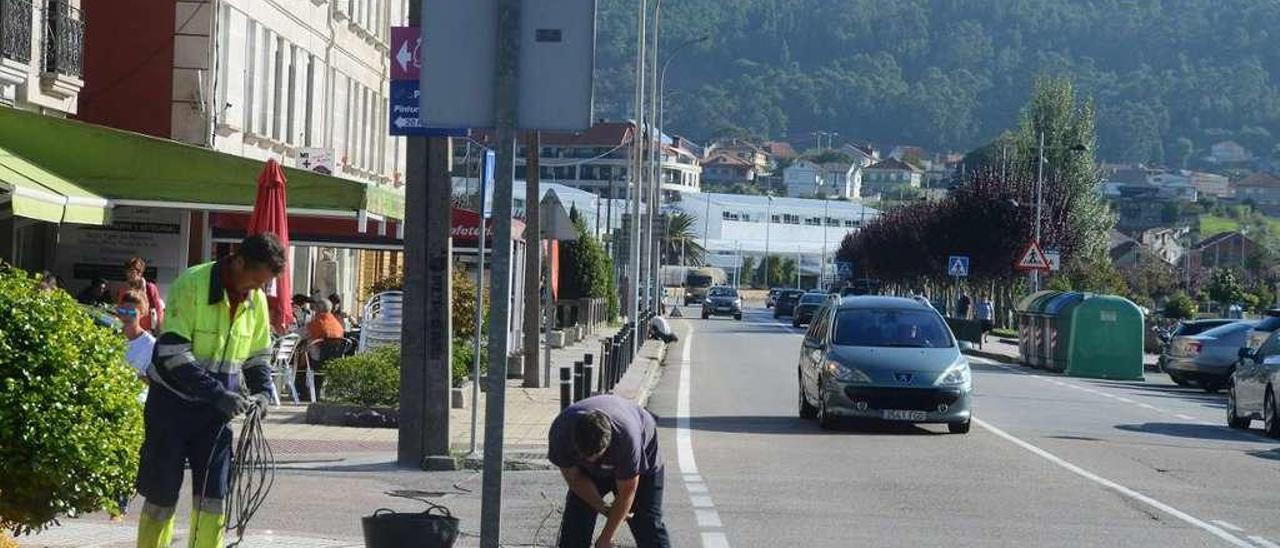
566,387
591,378
578,389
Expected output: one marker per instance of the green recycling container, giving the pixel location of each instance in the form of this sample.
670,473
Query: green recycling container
1026,313
1104,338
1057,318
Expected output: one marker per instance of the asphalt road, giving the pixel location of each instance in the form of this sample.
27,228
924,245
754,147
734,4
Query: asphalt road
1051,461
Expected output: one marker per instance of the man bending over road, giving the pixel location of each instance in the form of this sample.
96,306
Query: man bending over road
608,444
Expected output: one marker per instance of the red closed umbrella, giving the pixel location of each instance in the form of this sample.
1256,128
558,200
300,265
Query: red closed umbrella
270,214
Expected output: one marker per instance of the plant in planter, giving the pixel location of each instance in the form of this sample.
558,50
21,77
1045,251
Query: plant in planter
464,358
370,378
70,423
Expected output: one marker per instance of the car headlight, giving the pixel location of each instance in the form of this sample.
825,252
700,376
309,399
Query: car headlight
845,373
956,375
737,302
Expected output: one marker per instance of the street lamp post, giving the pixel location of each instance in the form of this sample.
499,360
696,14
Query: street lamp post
768,222
1035,274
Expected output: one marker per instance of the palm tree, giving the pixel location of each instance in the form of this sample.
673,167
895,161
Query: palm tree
680,243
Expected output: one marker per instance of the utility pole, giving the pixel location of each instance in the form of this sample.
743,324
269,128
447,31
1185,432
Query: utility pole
637,149
655,169
768,222
1035,274
533,374
506,105
425,331
475,362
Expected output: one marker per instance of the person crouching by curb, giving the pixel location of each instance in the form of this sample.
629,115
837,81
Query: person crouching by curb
218,329
608,444
660,329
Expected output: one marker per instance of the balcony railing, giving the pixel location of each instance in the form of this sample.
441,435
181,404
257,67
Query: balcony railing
15,30
63,39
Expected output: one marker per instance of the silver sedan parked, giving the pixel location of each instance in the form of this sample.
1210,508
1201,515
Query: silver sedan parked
884,358
1254,388
1207,358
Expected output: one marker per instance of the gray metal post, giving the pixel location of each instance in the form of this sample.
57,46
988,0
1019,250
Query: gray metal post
505,107
533,374
1035,274
655,166
633,274
475,365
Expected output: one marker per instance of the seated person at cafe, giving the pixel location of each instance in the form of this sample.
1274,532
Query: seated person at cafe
323,326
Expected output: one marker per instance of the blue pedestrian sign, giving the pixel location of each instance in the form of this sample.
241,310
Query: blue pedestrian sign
958,266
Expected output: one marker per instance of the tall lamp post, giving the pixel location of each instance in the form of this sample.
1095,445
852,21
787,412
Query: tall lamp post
1040,161
768,222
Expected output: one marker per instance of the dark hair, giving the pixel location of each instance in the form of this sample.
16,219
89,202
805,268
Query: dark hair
134,297
592,434
136,263
335,299
97,282
263,250
300,299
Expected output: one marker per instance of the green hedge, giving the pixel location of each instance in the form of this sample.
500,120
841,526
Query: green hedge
70,422
370,378
464,357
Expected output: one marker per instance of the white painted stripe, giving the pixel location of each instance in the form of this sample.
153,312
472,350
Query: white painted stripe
708,518
1185,417
1148,406
1264,543
699,497
1226,525
714,539
1126,400
1125,491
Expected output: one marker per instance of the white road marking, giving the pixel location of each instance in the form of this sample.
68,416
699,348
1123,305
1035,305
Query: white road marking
1148,406
1226,525
1126,400
714,540
1122,490
1264,543
704,509
1185,417
707,518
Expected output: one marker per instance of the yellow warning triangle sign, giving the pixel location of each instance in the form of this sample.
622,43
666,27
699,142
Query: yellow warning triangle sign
1033,259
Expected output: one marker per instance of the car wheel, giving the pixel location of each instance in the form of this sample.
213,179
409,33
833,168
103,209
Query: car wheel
1233,418
795,323
826,420
1211,387
959,427
1270,420
737,317
1178,380
705,315
807,410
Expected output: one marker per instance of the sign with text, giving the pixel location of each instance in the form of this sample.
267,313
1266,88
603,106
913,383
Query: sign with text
405,113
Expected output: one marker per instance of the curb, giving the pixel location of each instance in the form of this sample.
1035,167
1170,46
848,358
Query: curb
638,382
1002,358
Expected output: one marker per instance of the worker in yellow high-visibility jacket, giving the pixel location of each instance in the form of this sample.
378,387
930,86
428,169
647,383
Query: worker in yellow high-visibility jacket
216,330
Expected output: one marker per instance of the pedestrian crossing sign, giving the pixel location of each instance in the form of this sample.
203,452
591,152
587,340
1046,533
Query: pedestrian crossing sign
958,266
1033,259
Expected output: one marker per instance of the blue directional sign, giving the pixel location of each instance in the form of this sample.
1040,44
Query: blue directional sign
844,269
958,266
486,178
405,110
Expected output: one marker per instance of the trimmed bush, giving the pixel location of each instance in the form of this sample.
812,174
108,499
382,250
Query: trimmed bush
70,423
370,378
464,357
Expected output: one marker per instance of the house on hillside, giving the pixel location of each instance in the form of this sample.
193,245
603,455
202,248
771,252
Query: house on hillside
1124,251
863,155
1210,184
753,154
726,167
911,152
889,176
831,179
803,178
1262,189
1164,242
1228,152
1225,249
779,150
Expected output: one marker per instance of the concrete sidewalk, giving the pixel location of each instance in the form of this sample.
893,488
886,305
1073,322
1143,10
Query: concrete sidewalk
328,477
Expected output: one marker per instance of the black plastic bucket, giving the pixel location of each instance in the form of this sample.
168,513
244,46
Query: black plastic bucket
388,529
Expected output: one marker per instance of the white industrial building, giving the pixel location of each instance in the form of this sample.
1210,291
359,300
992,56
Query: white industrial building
734,226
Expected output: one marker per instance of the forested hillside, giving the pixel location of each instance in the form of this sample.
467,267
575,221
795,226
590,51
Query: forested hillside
1169,77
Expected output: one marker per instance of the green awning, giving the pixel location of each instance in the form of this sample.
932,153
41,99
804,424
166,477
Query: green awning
35,193
122,165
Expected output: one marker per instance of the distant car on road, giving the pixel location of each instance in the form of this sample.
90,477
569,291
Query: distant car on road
1253,390
884,358
772,297
1207,358
809,304
722,301
785,304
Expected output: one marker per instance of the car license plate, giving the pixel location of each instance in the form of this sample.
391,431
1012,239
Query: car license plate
902,415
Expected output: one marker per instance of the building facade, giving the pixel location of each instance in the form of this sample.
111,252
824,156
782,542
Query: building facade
1262,190
890,176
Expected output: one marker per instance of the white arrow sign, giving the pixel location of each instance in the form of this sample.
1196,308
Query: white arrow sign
404,56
